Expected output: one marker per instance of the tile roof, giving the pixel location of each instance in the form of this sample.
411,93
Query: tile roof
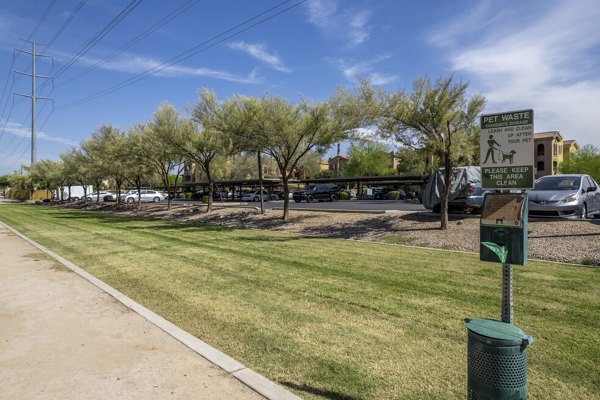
547,135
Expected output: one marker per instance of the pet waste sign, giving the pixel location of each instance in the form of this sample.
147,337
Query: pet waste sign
506,150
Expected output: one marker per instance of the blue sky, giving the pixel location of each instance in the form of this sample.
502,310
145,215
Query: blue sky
519,54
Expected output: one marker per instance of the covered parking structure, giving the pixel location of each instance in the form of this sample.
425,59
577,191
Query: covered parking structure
272,185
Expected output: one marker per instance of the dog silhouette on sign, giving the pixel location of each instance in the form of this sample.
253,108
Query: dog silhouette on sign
510,156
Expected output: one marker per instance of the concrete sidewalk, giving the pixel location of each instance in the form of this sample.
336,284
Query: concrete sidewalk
63,338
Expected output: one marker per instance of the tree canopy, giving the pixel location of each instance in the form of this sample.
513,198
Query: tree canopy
438,117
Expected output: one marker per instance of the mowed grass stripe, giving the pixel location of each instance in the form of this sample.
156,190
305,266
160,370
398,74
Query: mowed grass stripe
333,318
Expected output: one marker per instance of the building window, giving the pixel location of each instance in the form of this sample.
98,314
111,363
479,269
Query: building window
540,150
540,165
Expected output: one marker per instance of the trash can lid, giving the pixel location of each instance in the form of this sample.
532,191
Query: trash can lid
498,330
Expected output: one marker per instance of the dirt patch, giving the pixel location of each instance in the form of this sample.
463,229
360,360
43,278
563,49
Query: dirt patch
565,241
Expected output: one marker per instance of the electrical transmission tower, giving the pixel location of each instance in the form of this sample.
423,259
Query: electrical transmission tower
33,95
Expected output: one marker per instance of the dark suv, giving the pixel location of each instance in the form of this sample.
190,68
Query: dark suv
320,192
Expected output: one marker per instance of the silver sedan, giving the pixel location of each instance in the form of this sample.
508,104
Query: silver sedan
565,196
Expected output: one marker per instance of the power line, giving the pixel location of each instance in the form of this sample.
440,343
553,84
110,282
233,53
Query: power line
135,40
85,47
33,32
185,55
41,20
12,64
64,25
7,118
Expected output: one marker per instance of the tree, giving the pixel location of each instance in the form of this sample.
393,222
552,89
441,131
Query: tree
157,144
77,167
585,161
137,168
108,148
4,181
203,139
45,174
93,153
367,159
416,162
20,182
309,166
287,132
436,117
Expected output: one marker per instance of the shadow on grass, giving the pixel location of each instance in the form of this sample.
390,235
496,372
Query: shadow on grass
110,218
328,394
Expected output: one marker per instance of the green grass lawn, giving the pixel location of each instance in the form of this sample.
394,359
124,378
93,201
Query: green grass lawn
334,319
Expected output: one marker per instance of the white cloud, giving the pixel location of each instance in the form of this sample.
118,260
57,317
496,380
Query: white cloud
19,130
260,52
352,70
549,64
351,24
137,65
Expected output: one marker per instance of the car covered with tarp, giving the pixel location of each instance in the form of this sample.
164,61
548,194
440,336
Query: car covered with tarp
465,181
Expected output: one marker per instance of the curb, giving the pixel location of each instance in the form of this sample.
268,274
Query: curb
263,386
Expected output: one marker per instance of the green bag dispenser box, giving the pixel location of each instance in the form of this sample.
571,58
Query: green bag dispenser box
503,229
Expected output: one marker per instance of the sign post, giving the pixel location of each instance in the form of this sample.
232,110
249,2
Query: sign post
497,350
507,158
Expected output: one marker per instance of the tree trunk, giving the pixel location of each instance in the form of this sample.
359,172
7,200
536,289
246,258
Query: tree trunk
139,190
286,198
446,193
98,183
337,163
211,186
69,199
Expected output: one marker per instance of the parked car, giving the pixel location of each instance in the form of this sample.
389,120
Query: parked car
565,196
475,197
255,196
464,183
96,195
110,197
145,196
320,192
382,193
221,195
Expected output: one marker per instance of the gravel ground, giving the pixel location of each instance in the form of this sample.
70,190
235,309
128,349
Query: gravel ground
569,241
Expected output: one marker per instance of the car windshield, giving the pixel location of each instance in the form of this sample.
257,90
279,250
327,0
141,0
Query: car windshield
558,183
310,187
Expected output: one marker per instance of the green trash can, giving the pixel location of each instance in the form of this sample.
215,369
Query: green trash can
496,360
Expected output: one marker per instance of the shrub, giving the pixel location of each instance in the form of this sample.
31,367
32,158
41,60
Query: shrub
188,195
393,195
588,261
180,195
344,196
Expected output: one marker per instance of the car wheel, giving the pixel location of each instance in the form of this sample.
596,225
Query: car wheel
88,198
583,214
75,198
255,199
333,197
476,211
310,199
156,199
130,200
